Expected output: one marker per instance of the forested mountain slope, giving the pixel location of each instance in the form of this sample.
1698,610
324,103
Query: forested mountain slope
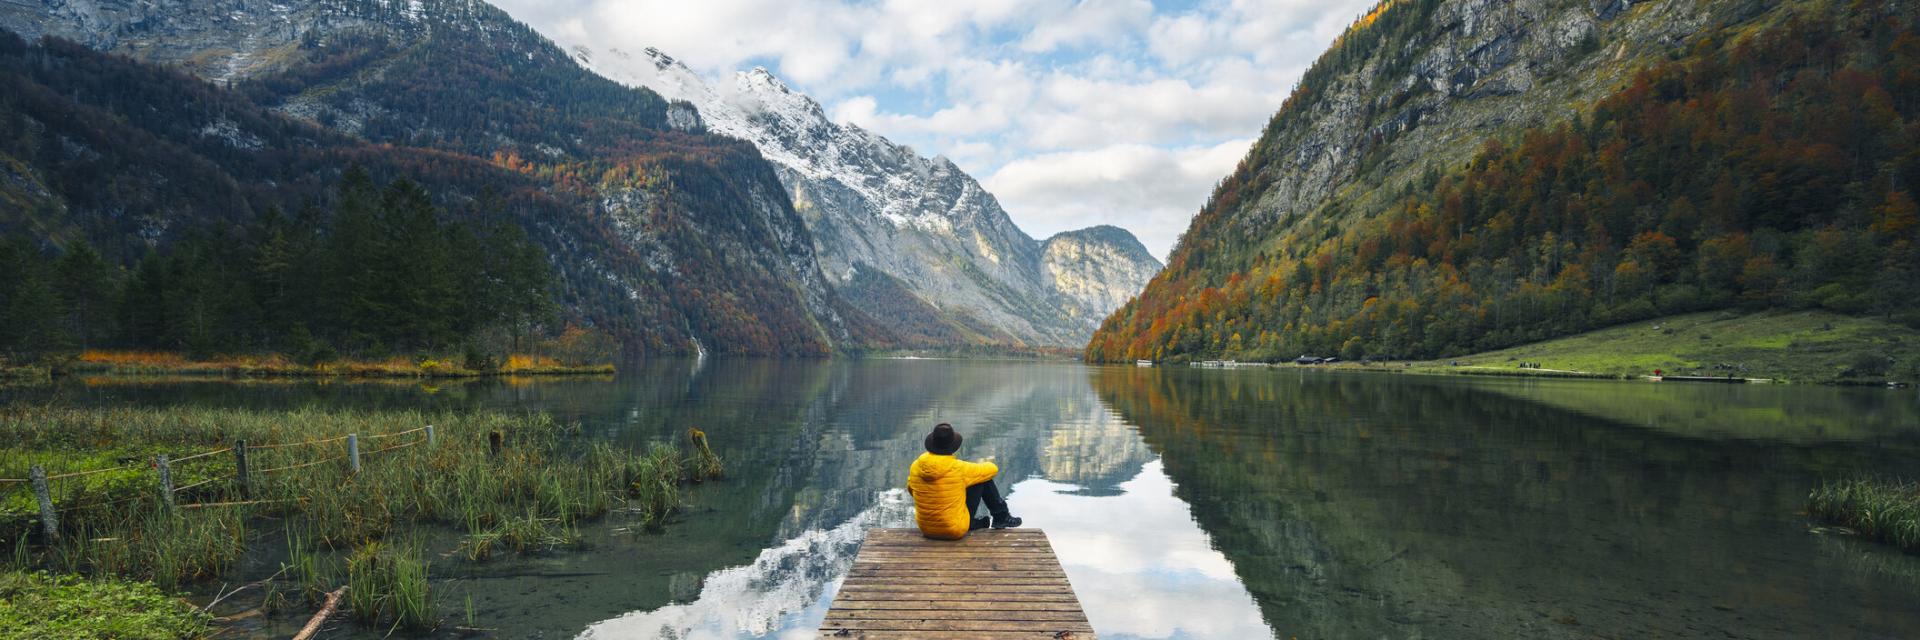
1456,176
669,238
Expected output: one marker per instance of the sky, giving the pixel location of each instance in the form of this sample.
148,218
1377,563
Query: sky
1072,112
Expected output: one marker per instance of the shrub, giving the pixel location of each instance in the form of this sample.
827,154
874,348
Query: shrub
1869,364
478,360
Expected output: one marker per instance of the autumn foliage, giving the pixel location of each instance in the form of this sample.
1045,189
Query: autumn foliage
1776,169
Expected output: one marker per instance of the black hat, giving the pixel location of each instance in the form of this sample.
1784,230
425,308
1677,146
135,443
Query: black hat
943,441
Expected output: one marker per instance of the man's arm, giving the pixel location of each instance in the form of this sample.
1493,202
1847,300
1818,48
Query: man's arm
978,472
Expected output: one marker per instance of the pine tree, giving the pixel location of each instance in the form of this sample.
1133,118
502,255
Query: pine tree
30,311
86,292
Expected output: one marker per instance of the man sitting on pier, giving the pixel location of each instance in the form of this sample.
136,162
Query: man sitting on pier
946,488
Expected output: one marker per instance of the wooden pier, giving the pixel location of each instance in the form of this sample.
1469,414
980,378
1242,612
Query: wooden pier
990,585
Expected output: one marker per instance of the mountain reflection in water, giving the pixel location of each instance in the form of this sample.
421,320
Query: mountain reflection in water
1221,503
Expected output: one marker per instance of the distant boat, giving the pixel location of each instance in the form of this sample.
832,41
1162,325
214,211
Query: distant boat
1143,363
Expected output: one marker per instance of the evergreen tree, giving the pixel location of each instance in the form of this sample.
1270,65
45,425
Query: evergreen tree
30,312
86,291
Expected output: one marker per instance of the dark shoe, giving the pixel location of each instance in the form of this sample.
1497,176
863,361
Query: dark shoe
978,524
1008,522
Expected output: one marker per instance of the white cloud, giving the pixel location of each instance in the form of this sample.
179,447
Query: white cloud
1179,40
1088,22
1147,189
1080,111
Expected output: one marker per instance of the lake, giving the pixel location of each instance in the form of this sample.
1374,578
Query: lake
1196,503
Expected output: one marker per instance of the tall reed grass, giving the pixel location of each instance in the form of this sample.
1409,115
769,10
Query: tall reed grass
1882,509
529,496
388,583
164,362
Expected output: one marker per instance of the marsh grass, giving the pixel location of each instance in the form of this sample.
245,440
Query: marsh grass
388,583
101,361
1880,509
705,463
531,497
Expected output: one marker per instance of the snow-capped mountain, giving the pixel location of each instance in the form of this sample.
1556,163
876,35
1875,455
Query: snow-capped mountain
914,241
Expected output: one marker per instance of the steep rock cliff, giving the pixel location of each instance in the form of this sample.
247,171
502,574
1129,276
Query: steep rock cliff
914,241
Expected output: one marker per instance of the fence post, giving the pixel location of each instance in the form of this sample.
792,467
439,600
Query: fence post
353,451
166,480
429,435
494,442
240,469
49,520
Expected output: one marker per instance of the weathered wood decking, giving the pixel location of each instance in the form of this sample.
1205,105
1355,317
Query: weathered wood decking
990,585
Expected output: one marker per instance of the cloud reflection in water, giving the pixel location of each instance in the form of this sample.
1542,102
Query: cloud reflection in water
1141,566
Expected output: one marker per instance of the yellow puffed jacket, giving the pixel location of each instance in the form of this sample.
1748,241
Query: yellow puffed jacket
939,487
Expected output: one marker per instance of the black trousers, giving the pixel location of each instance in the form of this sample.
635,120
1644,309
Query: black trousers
989,493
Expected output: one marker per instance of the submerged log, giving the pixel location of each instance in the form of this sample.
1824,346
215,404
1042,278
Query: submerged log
320,617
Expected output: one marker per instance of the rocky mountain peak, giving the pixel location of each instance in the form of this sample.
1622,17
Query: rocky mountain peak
1106,234
761,77
661,60
884,216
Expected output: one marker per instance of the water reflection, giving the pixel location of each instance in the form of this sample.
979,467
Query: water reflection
1218,504
1381,506
1071,465
1138,561
783,593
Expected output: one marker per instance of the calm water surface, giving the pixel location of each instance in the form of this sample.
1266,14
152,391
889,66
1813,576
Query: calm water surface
1219,504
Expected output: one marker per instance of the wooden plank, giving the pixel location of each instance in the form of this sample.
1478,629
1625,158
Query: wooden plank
955,560
978,537
1056,587
948,552
957,596
1010,547
937,566
972,579
934,562
1024,615
958,625
936,555
951,573
959,604
935,635
991,584
910,532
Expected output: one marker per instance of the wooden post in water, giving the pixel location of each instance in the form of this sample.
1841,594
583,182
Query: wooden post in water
353,452
494,442
166,480
240,469
429,435
49,519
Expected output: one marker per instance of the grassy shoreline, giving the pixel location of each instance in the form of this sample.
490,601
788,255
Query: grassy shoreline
1775,346
414,502
144,363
